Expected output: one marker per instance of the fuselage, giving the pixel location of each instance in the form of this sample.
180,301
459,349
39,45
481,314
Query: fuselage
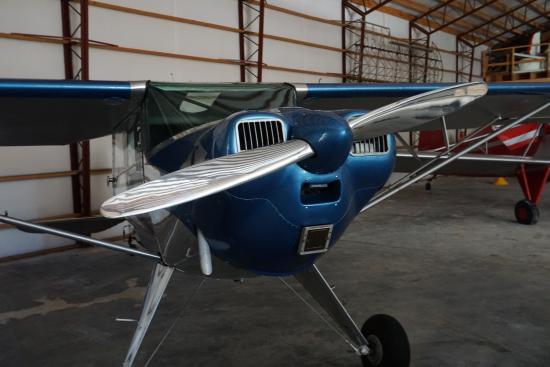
281,223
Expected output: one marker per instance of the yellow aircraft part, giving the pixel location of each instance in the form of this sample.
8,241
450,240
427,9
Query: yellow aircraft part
501,181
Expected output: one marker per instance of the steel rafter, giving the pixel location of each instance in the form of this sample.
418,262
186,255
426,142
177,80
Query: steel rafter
366,10
468,8
539,10
503,8
440,17
76,52
467,49
486,16
509,16
528,21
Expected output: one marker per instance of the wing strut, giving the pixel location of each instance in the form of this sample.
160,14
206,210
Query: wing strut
429,168
37,228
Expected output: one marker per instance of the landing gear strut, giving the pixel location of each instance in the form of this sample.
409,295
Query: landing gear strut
382,341
532,180
526,212
428,184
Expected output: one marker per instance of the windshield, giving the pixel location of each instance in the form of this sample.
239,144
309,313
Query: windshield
172,108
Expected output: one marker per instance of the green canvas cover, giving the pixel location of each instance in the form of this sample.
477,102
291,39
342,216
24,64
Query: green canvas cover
172,108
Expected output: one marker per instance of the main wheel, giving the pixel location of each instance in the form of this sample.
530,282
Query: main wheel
428,186
526,212
388,343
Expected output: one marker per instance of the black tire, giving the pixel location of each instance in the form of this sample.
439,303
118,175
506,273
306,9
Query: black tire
428,186
526,212
388,343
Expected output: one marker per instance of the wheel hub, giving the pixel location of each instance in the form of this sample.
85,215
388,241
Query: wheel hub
376,353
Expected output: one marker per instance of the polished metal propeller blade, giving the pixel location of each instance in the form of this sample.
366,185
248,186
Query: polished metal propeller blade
205,178
411,112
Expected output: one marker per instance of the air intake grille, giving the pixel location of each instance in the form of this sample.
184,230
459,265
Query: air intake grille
369,146
256,134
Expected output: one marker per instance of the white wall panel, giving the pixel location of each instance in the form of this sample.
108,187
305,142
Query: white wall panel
27,160
30,16
15,242
19,59
110,65
25,199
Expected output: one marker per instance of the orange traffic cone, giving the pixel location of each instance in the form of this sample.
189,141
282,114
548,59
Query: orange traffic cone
501,181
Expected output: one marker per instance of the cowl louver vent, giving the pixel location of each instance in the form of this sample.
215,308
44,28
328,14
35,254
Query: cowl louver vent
376,145
259,133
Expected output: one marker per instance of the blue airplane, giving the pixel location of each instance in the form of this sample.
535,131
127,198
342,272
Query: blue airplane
231,181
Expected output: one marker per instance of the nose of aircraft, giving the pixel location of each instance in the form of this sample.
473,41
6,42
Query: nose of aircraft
328,134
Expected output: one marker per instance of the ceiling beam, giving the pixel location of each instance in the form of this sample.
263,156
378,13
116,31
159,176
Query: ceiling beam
545,15
408,16
541,9
485,16
367,9
446,22
456,28
492,21
520,17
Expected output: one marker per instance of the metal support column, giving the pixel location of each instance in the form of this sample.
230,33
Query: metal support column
355,51
464,60
344,42
79,152
426,56
354,45
261,41
255,46
419,49
241,41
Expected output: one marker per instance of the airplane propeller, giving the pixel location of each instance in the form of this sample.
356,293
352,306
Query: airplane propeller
205,178
219,174
414,111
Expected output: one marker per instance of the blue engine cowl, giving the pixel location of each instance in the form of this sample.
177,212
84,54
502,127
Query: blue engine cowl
257,226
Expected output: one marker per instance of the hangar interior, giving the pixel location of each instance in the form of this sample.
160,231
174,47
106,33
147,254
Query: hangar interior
446,256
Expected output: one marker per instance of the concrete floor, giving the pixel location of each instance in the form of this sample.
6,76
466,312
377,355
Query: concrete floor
470,285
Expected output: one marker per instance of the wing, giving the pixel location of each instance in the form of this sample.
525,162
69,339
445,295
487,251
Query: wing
506,100
54,112
48,112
